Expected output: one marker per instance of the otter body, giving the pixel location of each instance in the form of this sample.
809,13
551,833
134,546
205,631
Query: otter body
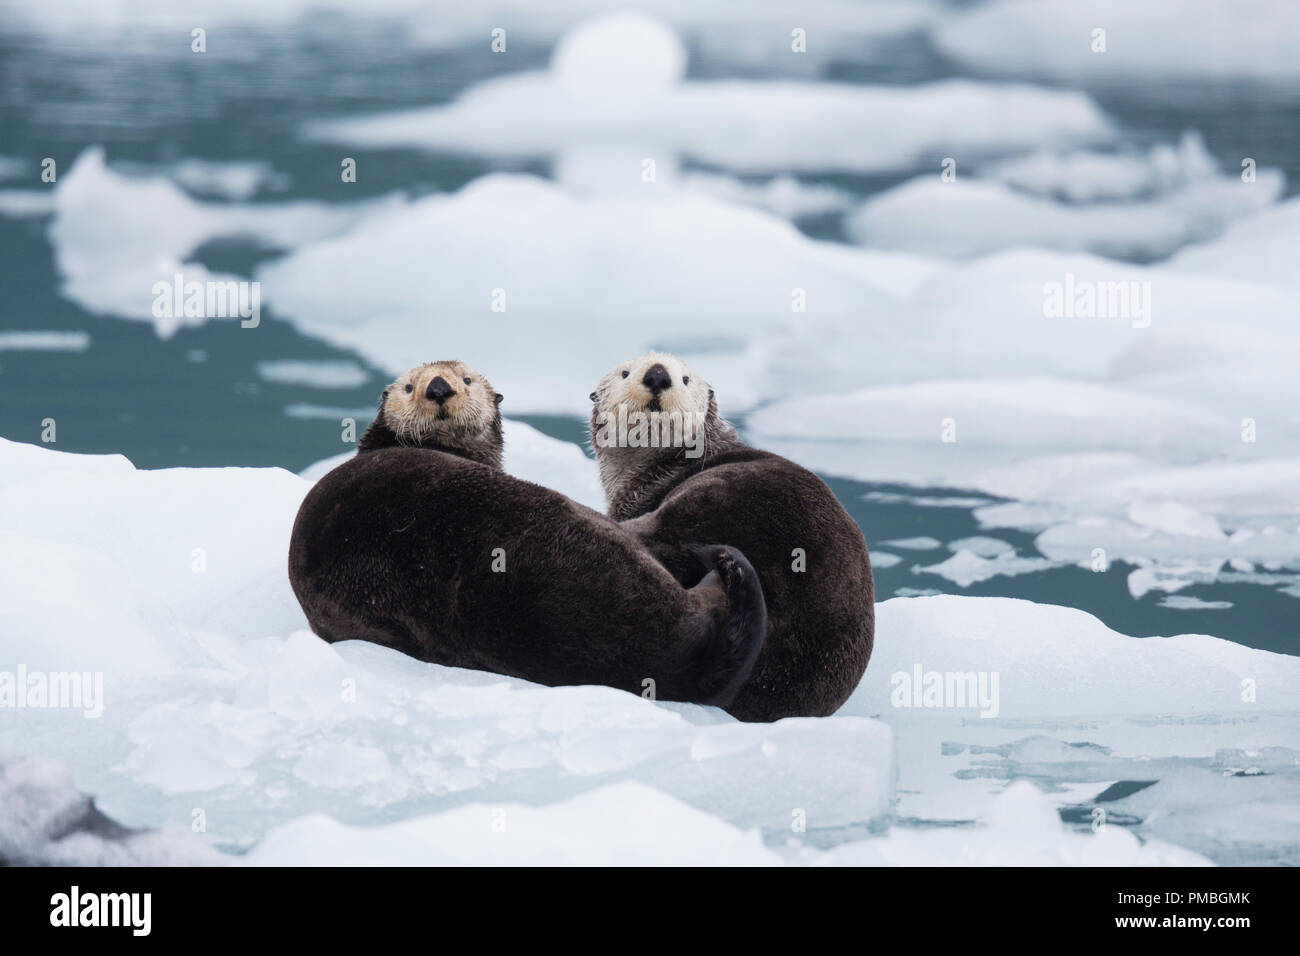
437,553
809,554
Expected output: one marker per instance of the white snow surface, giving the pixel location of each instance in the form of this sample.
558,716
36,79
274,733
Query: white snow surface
217,699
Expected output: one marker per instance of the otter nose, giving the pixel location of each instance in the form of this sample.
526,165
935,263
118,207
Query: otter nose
657,378
439,391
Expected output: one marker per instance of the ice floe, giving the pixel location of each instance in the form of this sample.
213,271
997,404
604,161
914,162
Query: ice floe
551,305
741,125
1156,206
320,373
219,707
1143,43
115,237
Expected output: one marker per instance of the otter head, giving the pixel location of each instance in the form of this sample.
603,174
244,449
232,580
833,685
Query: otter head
650,418
445,406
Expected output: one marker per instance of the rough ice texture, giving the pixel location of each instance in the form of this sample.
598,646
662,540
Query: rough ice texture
216,699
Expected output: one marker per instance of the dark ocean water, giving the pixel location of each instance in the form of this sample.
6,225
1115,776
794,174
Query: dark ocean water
197,399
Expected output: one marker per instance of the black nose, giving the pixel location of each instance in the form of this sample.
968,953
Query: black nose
439,391
657,378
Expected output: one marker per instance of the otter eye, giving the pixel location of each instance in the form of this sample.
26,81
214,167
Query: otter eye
686,380
410,387
467,381
626,373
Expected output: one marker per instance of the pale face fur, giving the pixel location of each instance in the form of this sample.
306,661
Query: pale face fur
625,386
629,389
464,419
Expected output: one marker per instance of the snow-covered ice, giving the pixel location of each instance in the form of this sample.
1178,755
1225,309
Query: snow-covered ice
218,705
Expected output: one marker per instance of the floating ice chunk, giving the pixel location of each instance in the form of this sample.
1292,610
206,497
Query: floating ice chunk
1171,576
884,559
767,126
43,341
969,217
1057,661
1184,602
202,707
1036,414
26,203
235,180
983,546
620,273
1085,177
313,373
1174,518
1078,541
114,237
919,543
966,568
1155,40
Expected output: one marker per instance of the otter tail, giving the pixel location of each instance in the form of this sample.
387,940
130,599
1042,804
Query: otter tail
726,658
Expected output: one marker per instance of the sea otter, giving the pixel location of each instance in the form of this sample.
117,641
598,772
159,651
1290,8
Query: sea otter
709,486
421,543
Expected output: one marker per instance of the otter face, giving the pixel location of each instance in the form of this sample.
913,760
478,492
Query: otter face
655,382
441,403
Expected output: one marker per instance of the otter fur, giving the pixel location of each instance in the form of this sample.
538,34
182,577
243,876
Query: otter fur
809,554
421,543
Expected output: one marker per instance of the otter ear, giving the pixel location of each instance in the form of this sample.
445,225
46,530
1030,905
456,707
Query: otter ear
710,393
382,399
499,398
592,396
